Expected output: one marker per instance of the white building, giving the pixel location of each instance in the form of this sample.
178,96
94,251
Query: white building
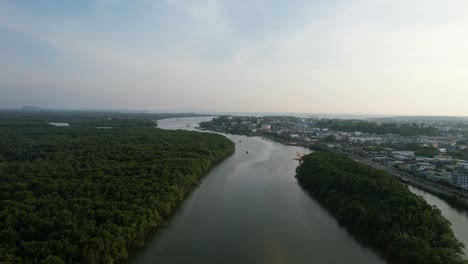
400,157
459,180
442,150
407,154
364,140
425,166
438,175
443,160
462,165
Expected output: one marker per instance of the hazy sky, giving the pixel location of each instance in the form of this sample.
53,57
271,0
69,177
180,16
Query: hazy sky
340,56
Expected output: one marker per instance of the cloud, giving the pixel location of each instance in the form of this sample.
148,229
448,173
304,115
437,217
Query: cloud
344,56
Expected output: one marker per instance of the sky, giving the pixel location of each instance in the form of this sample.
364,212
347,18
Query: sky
398,57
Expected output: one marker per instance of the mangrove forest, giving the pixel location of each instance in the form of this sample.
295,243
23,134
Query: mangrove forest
88,195
379,210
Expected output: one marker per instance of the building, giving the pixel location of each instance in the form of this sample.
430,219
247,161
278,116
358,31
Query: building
459,180
437,175
462,165
365,140
425,166
443,160
266,127
401,158
406,166
405,153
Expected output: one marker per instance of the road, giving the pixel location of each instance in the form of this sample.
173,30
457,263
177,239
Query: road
432,186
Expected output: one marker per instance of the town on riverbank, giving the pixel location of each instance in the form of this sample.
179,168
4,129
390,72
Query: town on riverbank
430,153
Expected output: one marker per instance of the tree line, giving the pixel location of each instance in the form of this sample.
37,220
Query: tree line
87,195
16,118
381,211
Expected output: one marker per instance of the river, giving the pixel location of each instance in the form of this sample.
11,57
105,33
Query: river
458,219
250,209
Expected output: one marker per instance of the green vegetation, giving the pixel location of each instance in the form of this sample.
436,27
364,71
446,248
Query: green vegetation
372,127
460,154
318,147
14,118
379,210
373,148
456,201
87,195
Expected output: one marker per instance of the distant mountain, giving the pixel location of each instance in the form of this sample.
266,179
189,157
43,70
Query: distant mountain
188,109
430,119
32,108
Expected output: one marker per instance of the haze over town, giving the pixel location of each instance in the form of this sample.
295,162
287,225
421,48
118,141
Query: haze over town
350,56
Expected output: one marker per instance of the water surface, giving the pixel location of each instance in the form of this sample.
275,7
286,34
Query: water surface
59,124
250,209
458,219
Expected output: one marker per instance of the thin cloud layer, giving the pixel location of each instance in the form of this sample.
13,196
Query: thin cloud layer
360,56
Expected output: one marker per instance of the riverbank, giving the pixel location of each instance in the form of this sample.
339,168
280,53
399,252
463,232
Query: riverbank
458,199
373,204
251,210
165,221
455,198
96,193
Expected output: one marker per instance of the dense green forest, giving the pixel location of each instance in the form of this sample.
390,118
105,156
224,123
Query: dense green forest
22,118
88,195
460,154
405,129
379,210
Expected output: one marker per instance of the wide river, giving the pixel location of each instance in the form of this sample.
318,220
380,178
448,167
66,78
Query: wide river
250,209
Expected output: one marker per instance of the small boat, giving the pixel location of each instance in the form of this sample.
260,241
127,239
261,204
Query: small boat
248,152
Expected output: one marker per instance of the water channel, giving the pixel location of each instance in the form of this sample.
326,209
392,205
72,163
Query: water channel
250,209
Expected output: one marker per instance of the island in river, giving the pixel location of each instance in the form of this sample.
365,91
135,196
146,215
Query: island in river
380,210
